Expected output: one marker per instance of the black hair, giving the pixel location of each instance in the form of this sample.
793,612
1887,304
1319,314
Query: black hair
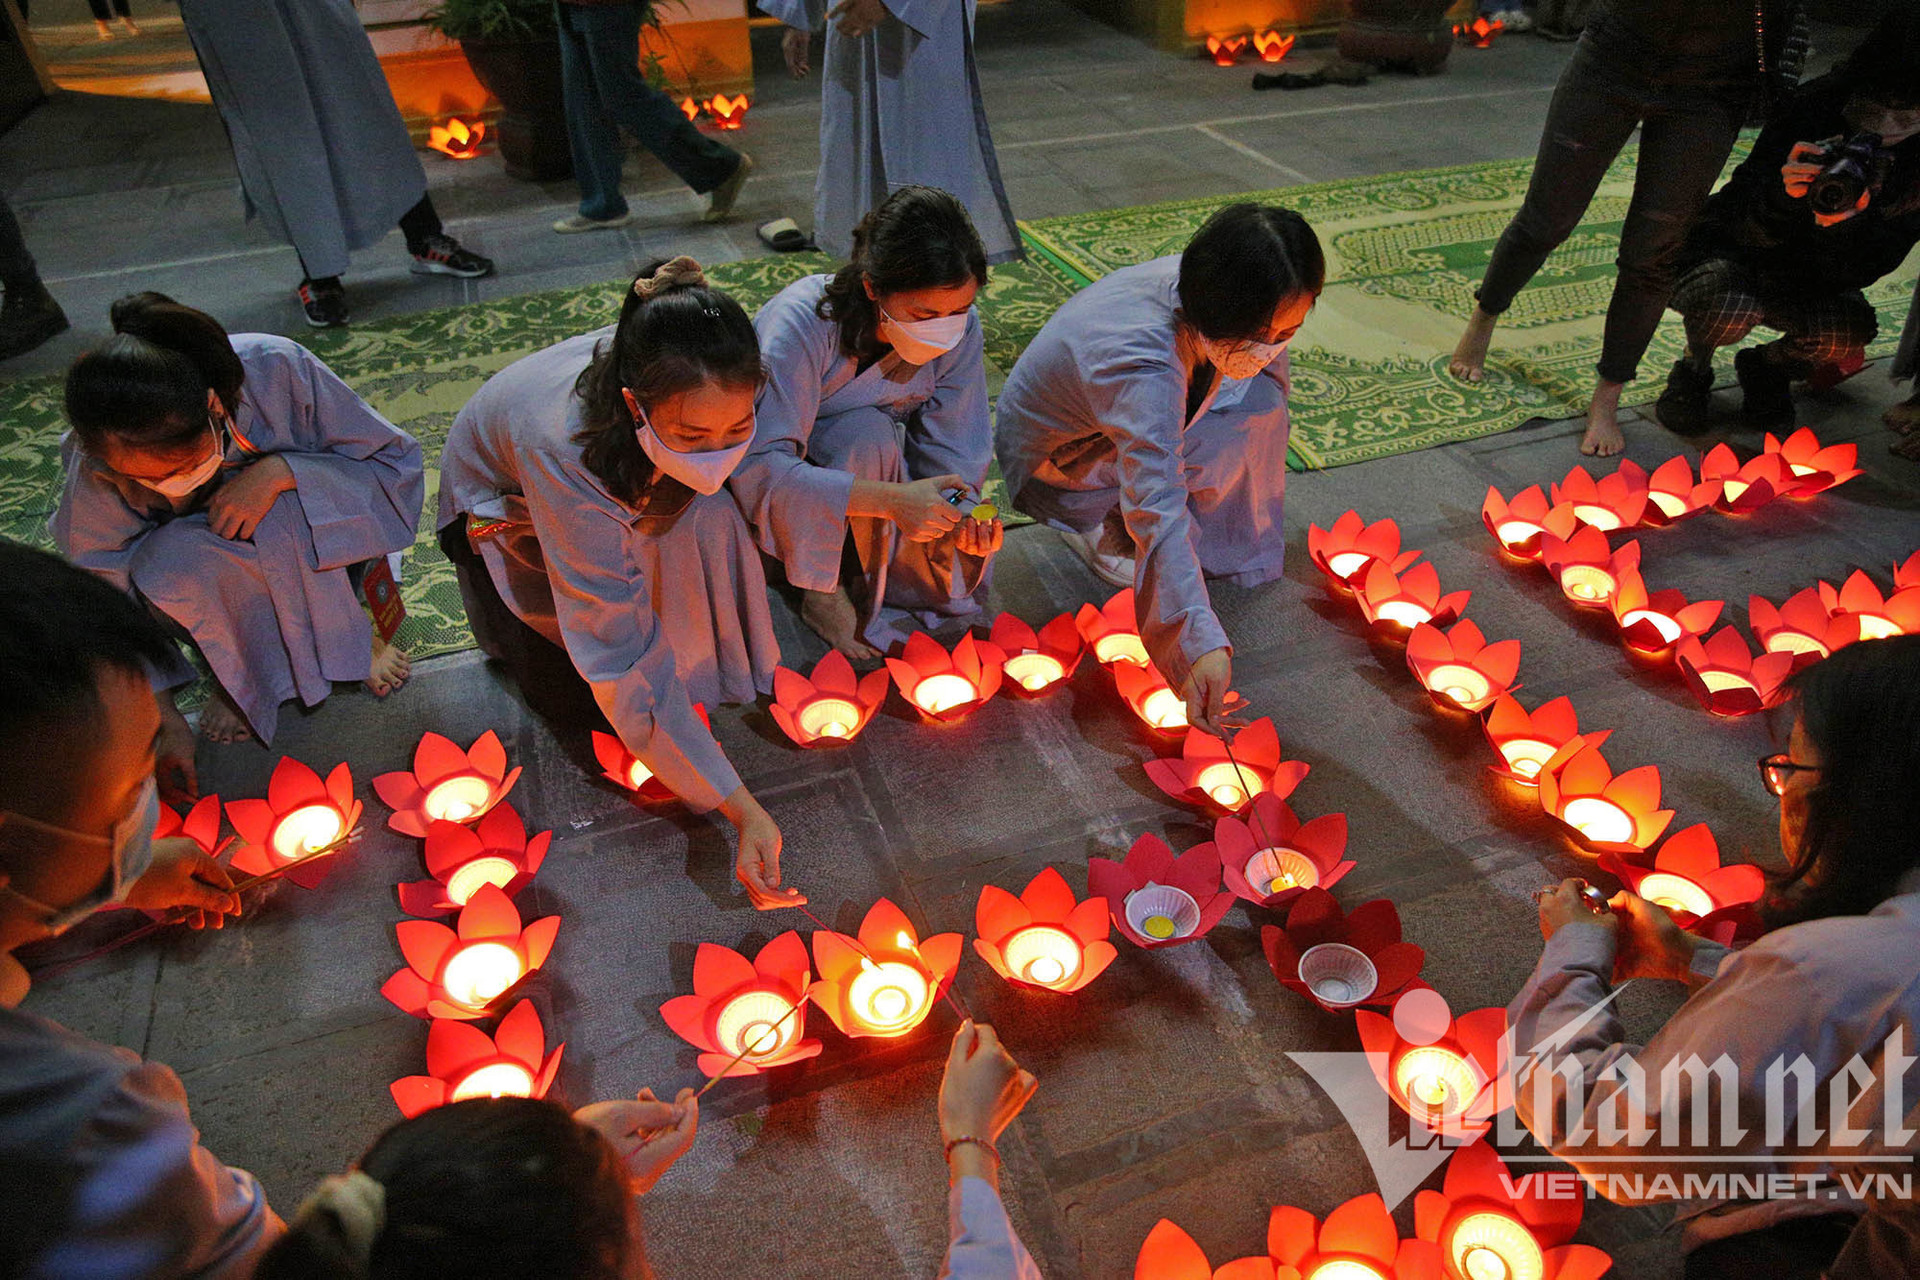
1240,266
59,624
681,338
919,238
1860,709
486,1189
147,385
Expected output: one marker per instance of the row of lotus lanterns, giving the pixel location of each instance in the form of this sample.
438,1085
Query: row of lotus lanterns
1268,46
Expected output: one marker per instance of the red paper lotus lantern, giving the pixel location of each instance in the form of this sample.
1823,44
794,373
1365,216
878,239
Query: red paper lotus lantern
1269,857
885,984
690,109
1689,882
1158,900
1206,776
628,770
1518,525
447,784
1727,678
1587,571
1672,493
1110,631
1459,669
1394,604
460,859
1480,32
1043,938
1907,574
1489,1225
1525,741
829,708
1272,46
1615,501
1449,1074
457,138
465,1062
1358,1241
1225,50
1148,696
1802,626
460,972
200,825
1744,489
946,686
300,818
1169,1253
1618,814
1345,552
744,1016
1339,960
1814,469
1036,662
728,113
1652,625
1877,617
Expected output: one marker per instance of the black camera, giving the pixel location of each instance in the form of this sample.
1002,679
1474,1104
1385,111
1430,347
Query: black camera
1854,167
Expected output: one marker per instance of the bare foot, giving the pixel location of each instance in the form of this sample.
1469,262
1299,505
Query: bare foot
132,28
1907,446
221,721
106,32
1903,418
1603,438
834,619
1469,361
391,667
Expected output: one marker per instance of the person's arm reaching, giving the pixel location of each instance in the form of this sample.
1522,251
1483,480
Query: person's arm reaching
981,1093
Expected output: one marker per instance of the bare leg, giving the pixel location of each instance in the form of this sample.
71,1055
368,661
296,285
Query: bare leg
221,721
1470,354
834,619
1603,438
391,667
1904,418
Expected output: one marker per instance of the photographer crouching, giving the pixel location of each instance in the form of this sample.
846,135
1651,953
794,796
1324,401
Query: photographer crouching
1827,203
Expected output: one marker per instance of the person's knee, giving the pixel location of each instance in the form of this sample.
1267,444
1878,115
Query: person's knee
864,442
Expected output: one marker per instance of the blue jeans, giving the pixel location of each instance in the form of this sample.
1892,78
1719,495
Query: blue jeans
600,74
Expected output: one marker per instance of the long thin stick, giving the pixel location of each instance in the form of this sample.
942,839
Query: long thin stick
772,1029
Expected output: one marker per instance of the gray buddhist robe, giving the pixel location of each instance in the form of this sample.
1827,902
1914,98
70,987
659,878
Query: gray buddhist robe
276,616
1093,429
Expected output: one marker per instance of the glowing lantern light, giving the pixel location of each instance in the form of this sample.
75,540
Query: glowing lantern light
1802,626
1490,1226
885,984
1727,678
460,859
465,1062
1269,857
1345,552
1651,626
459,972
1814,469
1110,631
1588,573
1615,501
1744,489
628,771
1272,46
1518,525
1395,604
1459,669
1158,900
1688,880
745,1010
945,686
1672,494
1479,33
457,138
1619,814
1225,50
1037,661
1358,1241
1875,616
831,707
1149,697
200,825
447,784
1043,938
1449,1074
1206,776
727,113
1339,960
1526,742
300,817
690,109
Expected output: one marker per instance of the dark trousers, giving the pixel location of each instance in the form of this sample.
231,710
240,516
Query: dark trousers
104,9
1723,301
1688,117
600,74
16,264
1798,1249
416,224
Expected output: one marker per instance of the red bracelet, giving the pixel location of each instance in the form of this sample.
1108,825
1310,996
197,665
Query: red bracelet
978,1142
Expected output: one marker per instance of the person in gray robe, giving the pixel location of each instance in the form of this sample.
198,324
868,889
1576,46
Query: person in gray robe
873,412
239,487
900,105
1147,421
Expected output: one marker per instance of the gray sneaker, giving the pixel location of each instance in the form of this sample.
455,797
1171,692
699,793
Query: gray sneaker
720,199
574,223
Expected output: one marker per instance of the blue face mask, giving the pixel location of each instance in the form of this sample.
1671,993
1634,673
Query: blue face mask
132,845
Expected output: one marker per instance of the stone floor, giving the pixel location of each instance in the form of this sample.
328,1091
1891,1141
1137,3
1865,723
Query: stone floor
1165,1089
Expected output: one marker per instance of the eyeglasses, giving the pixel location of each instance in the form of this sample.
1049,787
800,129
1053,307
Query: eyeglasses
1777,769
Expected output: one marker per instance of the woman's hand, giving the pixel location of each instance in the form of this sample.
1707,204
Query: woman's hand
921,510
979,537
185,882
1647,943
246,495
857,17
983,1089
1563,904
1210,700
649,1134
756,864
795,46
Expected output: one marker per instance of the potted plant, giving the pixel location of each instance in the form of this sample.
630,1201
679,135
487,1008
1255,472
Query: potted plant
514,51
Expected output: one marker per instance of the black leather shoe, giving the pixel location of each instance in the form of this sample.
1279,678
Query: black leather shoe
1767,387
1683,408
28,317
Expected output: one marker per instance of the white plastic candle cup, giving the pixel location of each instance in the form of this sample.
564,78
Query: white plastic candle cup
1338,975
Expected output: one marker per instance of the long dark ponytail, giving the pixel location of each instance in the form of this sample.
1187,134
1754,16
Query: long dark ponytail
147,385
919,238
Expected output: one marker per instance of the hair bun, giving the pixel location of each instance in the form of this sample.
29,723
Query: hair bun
675,273
358,1206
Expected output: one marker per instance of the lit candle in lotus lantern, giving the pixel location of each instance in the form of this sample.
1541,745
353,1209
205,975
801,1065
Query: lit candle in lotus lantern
302,817
631,773
1272,46
460,972
1615,501
460,859
447,784
1449,1074
1876,617
831,707
1345,552
1814,469
1158,900
465,1062
1339,960
946,686
884,982
1394,604
1518,525
1619,814
1269,857
1043,938
1490,1225
1689,881
728,113
1527,741
1358,1241
457,139
1802,626
1111,631
1480,34
1673,495
1225,50
1745,488
1458,668
1586,570
1037,662
745,1016
1149,697
1208,775
1652,625
1727,678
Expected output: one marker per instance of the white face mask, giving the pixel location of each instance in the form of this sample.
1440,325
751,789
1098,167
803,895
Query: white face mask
132,845
1238,360
922,341
703,472
181,485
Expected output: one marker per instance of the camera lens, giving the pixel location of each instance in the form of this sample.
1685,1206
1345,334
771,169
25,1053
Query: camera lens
1836,192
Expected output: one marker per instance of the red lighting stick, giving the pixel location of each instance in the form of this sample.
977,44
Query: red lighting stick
946,992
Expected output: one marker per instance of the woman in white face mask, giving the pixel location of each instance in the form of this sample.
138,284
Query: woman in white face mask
600,556
240,489
1148,423
873,429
